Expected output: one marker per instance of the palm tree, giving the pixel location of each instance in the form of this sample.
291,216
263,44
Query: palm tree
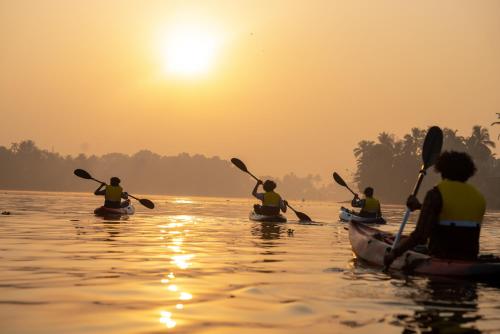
479,143
495,123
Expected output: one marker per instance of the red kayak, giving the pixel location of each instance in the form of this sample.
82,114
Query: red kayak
370,244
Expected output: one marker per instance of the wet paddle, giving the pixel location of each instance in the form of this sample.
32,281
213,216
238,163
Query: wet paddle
241,166
341,182
85,175
301,215
430,152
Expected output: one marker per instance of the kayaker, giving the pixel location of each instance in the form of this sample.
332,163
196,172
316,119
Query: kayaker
113,193
271,201
451,215
370,206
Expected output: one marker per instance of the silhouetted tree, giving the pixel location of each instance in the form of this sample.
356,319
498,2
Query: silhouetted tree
390,165
26,167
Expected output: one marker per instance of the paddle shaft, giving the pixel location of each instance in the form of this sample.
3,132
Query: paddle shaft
421,175
127,193
350,190
291,207
255,177
106,184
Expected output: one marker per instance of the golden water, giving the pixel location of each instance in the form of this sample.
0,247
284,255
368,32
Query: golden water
198,265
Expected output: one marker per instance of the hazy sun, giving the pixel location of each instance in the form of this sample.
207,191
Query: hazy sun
190,50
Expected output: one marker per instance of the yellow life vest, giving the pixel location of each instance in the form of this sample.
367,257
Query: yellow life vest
113,193
372,205
271,199
463,204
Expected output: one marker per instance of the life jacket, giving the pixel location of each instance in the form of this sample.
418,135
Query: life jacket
372,205
113,193
456,234
271,199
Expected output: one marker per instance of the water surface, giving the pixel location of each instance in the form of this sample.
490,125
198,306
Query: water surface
198,265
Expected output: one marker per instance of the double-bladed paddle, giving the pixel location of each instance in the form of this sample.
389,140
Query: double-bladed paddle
85,175
241,165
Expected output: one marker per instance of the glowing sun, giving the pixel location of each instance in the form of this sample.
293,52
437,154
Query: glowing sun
190,50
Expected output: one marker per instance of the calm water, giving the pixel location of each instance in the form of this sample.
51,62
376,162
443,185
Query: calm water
198,265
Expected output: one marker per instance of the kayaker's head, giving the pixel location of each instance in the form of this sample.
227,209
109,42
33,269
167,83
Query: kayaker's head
368,192
114,181
455,166
269,185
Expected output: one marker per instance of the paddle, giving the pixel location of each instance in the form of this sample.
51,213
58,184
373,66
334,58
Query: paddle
85,175
241,165
430,152
341,181
301,215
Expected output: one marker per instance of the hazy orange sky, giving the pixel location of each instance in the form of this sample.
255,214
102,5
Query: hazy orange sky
292,85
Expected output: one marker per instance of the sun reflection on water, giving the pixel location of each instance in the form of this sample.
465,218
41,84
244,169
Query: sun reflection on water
185,296
173,233
181,261
166,318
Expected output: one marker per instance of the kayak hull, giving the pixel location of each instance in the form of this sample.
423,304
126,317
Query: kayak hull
268,219
112,212
370,245
347,215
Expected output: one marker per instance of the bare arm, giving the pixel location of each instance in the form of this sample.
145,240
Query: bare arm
283,204
254,191
428,216
99,192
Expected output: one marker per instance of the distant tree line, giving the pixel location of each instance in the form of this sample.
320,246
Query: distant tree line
24,166
390,165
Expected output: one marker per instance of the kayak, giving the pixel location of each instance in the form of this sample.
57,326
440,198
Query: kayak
112,212
270,219
347,215
370,245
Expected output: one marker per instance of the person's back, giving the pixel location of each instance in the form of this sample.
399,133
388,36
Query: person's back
271,201
456,232
113,193
451,215
370,206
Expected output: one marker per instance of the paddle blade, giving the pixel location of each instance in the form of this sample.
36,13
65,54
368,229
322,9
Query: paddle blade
147,203
432,146
238,163
303,217
82,173
339,179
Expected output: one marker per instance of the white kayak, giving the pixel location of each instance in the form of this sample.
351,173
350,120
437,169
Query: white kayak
112,212
347,215
264,218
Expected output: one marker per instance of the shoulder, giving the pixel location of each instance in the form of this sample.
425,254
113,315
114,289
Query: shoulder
434,193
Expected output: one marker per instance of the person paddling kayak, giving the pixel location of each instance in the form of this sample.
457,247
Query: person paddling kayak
451,215
113,194
271,201
370,206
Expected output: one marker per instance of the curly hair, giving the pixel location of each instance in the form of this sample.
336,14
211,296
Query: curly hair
455,166
269,185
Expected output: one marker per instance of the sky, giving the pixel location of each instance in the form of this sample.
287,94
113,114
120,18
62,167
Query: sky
283,85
